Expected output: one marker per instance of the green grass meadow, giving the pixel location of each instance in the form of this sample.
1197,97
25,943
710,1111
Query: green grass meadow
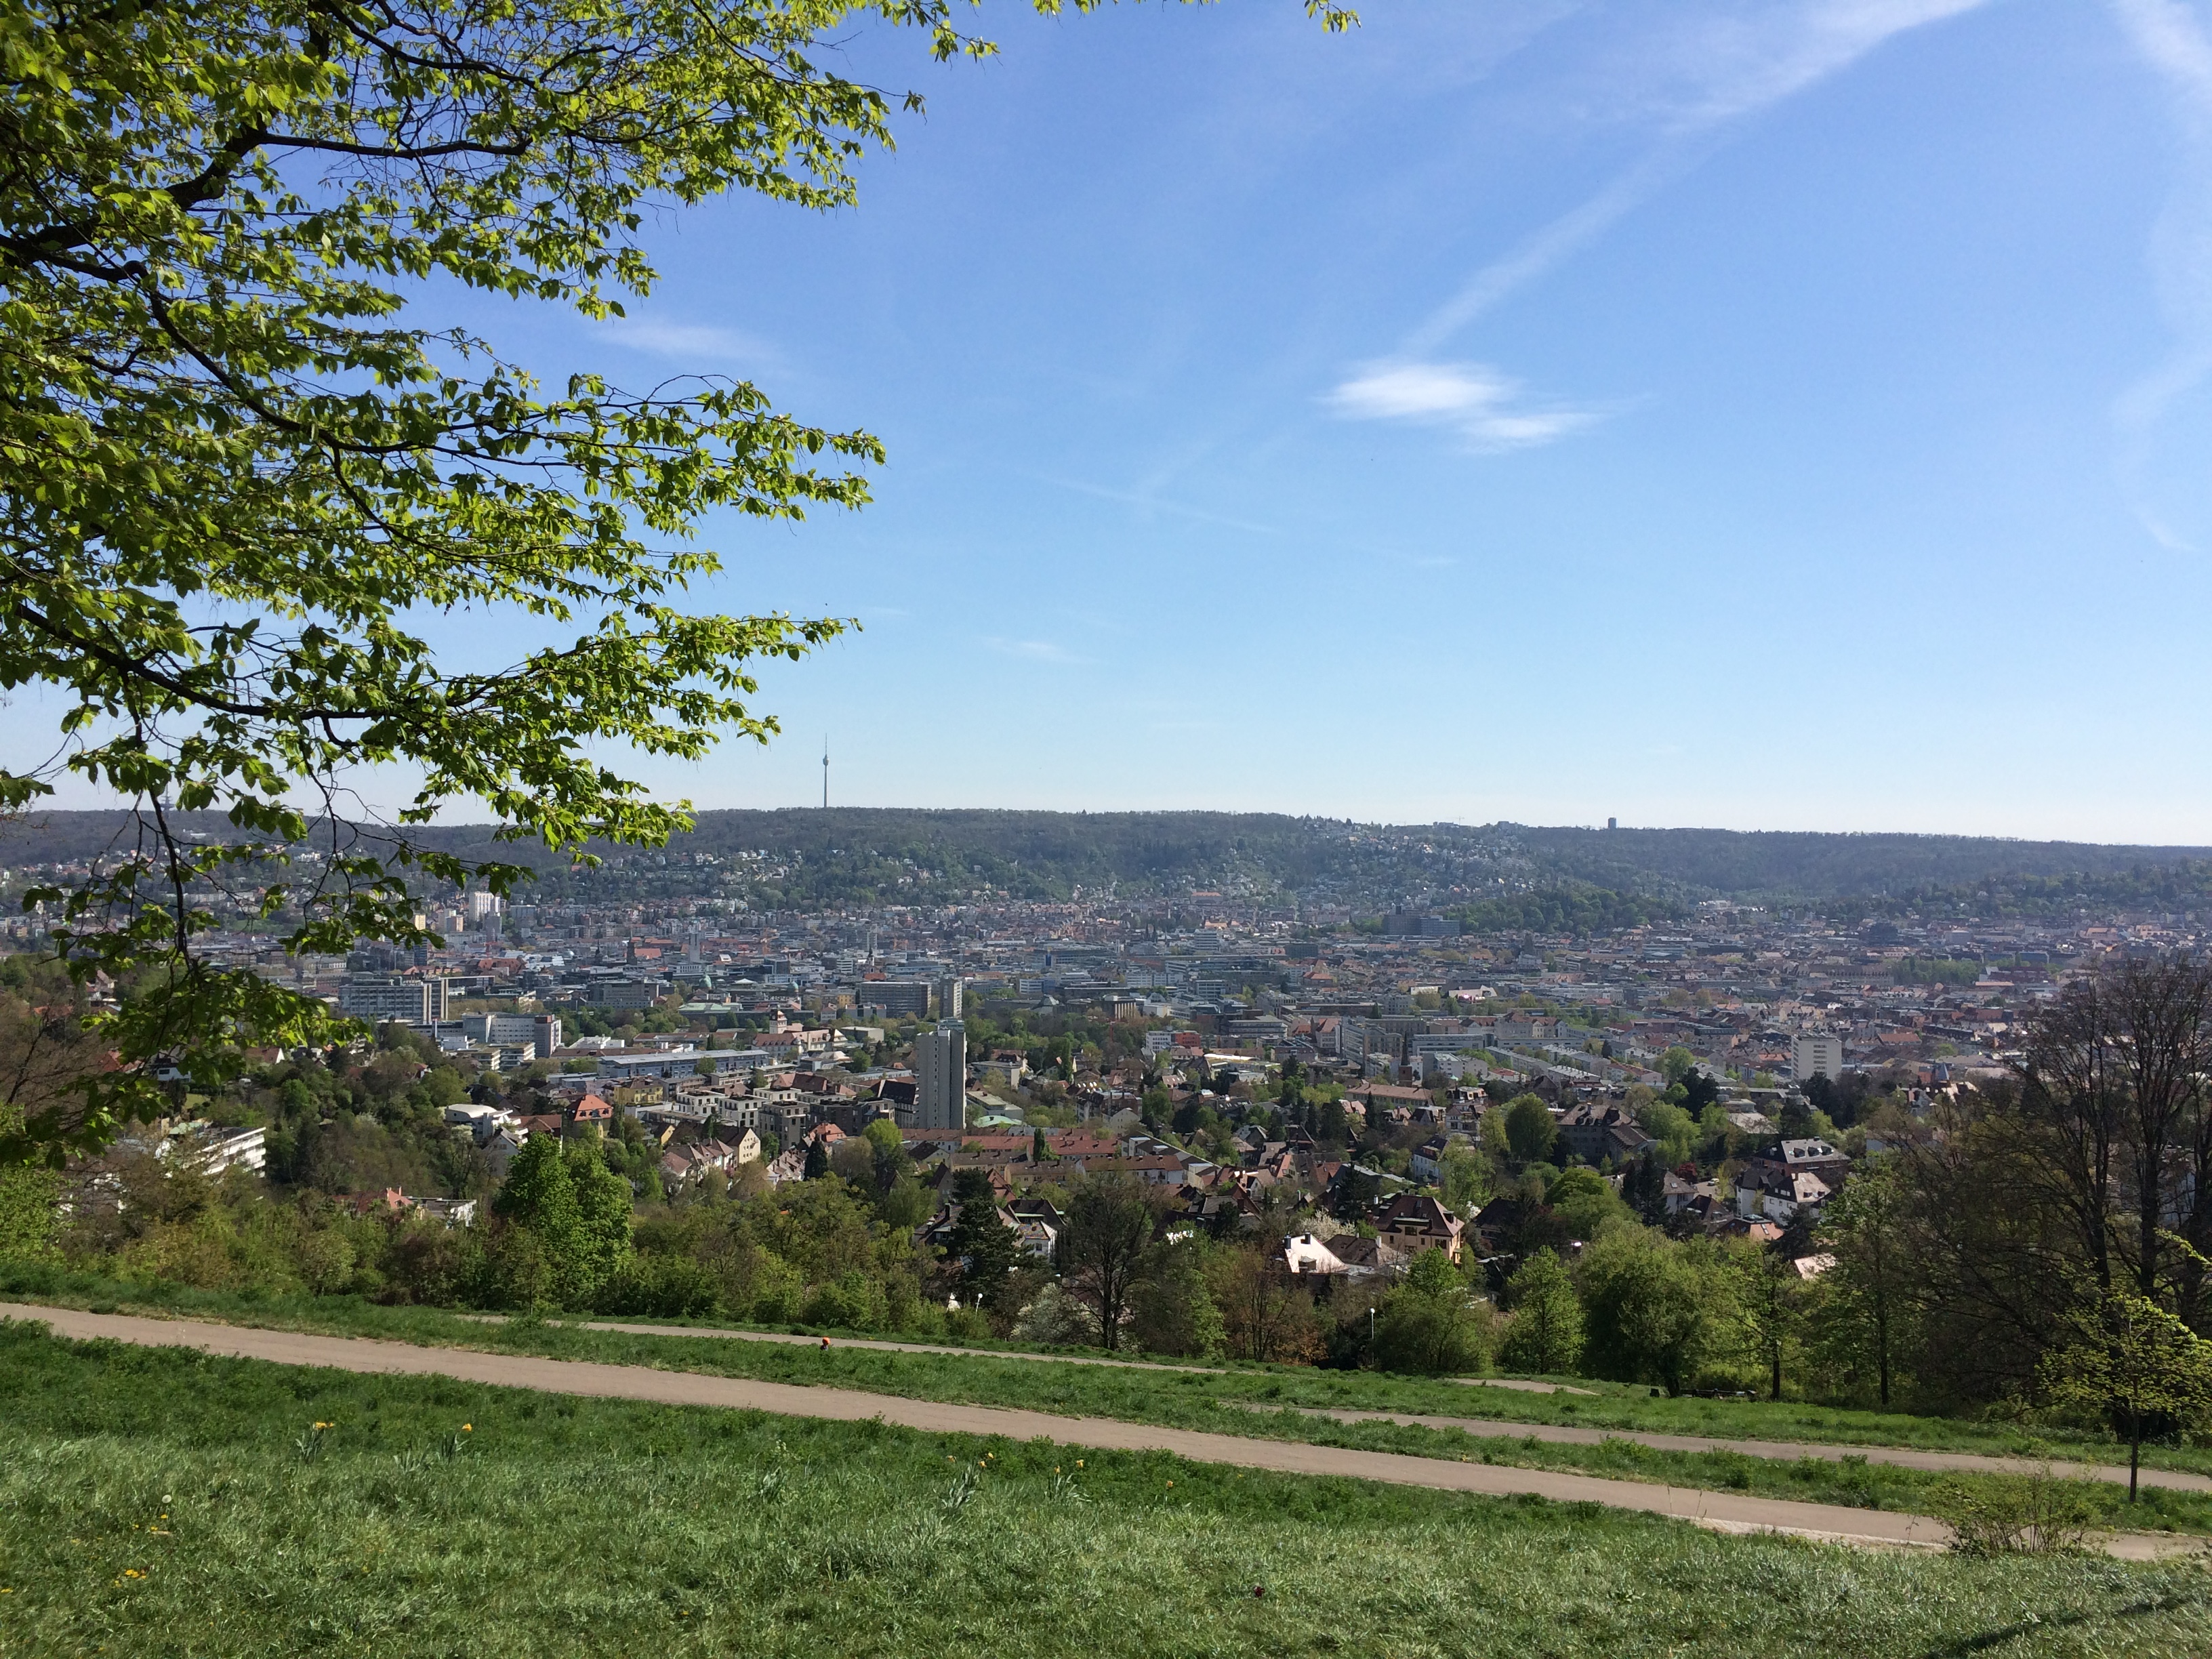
1096,1390
160,1502
1277,1403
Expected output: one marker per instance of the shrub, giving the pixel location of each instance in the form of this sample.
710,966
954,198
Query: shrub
852,1302
2038,1514
662,1287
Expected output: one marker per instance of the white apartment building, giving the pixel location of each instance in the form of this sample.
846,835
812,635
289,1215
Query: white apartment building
1816,1054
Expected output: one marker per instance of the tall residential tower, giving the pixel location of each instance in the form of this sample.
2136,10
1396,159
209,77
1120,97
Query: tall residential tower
940,1065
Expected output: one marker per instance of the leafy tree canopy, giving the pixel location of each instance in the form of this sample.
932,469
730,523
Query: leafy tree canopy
234,465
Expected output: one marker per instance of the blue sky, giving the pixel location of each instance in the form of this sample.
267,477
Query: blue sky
1784,415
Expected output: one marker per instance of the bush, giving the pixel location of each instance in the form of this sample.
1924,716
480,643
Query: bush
968,1325
851,1302
2038,1514
1053,1319
662,1287
427,1262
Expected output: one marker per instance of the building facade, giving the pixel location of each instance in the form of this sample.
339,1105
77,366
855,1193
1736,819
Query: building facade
1818,1054
896,997
406,1001
940,1067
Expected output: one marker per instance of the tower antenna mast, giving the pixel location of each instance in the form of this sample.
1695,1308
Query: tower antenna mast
825,772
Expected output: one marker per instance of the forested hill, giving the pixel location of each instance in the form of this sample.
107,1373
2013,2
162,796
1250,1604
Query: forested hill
802,858
1735,862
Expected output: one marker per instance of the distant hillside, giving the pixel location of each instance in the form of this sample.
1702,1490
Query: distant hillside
1791,864
1503,874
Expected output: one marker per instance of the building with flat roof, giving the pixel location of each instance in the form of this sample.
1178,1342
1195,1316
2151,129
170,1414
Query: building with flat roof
895,997
940,1064
682,1062
396,999
1818,1054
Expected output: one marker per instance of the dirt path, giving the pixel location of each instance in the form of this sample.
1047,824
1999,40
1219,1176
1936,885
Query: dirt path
1554,1434
1902,1456
1724,1512
630,1328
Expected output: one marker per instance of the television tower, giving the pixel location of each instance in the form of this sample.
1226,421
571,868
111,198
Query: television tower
825,772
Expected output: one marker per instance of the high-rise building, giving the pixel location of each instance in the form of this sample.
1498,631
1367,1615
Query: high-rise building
404,1001
948,998
1816,1054
941,1065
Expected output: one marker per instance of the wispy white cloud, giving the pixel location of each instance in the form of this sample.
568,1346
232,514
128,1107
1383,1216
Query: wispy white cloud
2171,37
698,345
1477,401
1705,71
1536,255
1722,64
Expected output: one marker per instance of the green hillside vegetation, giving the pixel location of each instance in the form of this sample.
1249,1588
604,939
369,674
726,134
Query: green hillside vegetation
1501,875
2182,885
1567,907
971,1373
1806,865
159,1503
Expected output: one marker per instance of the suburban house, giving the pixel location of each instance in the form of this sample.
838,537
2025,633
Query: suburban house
1305,1254
1415,1221
1595,1133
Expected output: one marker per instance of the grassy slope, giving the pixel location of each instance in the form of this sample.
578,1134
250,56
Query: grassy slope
1610,1406
1253,1402
600,1528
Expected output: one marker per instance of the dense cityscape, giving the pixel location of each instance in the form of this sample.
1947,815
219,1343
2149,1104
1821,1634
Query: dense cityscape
1294,1143
1322,1090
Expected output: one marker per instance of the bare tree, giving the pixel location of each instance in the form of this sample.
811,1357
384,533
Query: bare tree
2113,1100
1102,1247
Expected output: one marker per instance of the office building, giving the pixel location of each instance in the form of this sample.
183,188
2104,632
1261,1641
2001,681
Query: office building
401,1000
896,997
541,1032
624,995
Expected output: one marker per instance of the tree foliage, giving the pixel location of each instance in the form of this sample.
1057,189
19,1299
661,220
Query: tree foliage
235,464
1544,1334
1869,1297
1528,1128
1654,1311
2128,1358
1172,1309
1429,1325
